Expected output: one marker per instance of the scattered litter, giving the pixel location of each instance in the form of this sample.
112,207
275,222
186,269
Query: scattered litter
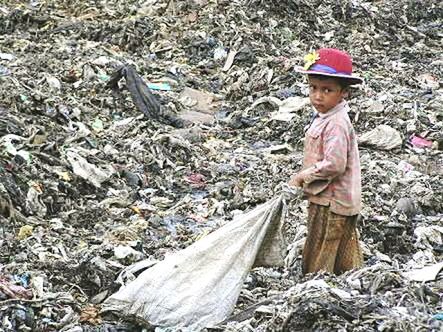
24,232
86,170
229,60
159,86
419,142
428,273
6,56
382,137
130,130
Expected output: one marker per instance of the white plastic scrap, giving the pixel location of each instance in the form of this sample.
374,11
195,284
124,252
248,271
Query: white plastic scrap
88,171
420,259
382,137
33,200
429,235
220,53
53,82
8,143
229,60
319,284
286,108
122,252
428,273
6,56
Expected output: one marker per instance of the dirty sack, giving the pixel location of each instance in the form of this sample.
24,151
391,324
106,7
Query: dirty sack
199,286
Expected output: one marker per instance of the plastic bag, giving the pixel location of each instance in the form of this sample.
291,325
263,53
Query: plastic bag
199,286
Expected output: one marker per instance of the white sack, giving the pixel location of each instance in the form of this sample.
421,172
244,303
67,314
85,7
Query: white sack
199,286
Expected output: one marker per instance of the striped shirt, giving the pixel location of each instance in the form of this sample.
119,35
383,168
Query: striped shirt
331,151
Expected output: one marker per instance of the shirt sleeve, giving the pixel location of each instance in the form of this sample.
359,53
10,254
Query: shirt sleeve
335,153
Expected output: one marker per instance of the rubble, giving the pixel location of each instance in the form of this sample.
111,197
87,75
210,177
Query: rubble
131,129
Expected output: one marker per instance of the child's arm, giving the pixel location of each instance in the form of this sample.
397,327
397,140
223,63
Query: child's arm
333,164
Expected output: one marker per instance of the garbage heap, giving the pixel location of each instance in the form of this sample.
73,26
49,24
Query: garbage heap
130,129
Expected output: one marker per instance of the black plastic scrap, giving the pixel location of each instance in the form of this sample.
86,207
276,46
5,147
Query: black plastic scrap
142,96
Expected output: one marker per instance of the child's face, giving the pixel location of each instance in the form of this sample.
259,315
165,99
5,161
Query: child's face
325,93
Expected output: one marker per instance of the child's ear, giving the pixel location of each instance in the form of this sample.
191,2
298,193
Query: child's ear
345,93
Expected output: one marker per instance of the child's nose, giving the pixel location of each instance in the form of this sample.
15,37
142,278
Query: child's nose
317,95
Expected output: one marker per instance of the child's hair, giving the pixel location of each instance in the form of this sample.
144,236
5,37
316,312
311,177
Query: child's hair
343,82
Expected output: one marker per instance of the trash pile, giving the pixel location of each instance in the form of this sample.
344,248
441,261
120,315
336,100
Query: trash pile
131,129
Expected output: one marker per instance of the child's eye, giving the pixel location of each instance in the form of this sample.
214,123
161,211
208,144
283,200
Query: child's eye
327,90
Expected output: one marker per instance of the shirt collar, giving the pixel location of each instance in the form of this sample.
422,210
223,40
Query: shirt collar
341,106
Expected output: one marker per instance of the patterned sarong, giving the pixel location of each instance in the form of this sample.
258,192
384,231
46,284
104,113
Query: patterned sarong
332,244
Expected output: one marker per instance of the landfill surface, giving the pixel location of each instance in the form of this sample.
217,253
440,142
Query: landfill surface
95,178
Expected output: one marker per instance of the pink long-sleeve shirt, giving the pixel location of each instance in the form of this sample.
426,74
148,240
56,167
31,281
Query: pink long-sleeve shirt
331,152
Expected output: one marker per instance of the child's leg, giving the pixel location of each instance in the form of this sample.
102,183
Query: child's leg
325,231
349,253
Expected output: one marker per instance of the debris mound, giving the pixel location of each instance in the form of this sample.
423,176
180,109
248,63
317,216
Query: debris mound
131,129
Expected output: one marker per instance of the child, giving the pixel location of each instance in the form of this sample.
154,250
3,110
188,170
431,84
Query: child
331,167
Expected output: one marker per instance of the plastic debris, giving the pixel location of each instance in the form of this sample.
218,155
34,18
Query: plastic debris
53,82
229,60
12,291
124,252
428,273
141,95
382,137
220,54
159,86
87,171
102,165
97,125
420,142
6,56
202,106
24,232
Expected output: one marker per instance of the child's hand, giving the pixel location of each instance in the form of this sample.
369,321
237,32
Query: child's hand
300,177
296,180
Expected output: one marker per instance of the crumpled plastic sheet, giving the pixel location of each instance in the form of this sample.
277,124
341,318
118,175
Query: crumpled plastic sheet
382,137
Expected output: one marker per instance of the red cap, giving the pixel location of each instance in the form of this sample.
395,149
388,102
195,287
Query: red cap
330,62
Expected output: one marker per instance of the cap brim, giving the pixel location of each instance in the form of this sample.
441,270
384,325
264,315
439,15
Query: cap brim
352,79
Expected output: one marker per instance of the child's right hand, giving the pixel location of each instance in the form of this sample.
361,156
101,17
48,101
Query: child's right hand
299,178
296,180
